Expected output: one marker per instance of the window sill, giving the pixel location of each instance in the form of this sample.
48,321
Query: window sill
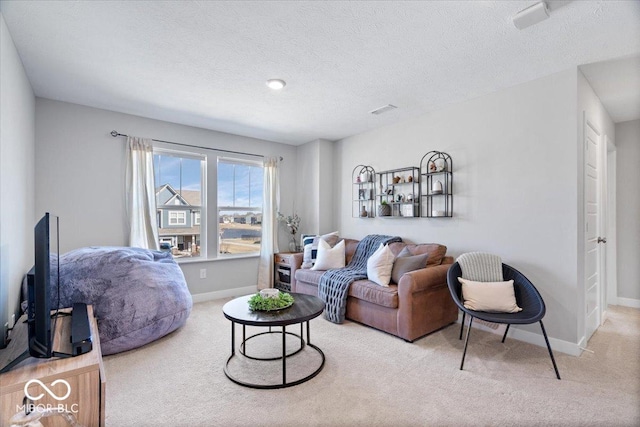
221,258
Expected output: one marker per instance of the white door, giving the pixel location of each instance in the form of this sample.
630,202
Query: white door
593,239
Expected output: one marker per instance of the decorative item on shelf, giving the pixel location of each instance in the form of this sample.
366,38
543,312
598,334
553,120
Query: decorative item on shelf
407,210
436,187
365,176
384,209
358,180
410,178
389,191
400,198
410,197
396,179
440,165
292,222
363,212
432,167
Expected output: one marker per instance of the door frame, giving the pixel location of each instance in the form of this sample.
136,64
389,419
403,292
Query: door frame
601,190
611,295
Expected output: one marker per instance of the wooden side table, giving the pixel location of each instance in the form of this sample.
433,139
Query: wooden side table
284,271
84,375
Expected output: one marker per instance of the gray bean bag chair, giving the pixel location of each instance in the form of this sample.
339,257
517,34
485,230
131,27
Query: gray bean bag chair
137,295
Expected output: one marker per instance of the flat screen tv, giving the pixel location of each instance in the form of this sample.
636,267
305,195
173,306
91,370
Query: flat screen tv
45,271
41,279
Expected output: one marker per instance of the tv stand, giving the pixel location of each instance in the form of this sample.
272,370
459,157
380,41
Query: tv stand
84,374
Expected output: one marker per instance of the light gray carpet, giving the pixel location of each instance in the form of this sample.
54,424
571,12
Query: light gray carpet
374,379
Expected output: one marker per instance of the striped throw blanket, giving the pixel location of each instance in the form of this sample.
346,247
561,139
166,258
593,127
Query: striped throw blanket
334,284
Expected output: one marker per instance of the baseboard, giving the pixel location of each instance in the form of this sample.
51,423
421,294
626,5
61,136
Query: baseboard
531,338
226,293
628,302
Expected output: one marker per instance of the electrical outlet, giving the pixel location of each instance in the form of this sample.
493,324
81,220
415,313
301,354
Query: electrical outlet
203,273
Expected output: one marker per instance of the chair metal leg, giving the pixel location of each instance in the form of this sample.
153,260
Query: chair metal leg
466,342
553,360
462,324
505,332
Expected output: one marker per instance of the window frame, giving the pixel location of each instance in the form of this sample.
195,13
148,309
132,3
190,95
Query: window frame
221,208
176,213
164,149
210,211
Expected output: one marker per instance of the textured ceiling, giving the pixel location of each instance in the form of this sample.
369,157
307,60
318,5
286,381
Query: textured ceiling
205,63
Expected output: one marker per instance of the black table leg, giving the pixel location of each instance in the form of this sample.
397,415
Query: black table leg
284,355
308,334
244,338
233,338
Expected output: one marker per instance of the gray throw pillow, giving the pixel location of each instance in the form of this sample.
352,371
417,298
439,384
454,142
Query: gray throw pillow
405,264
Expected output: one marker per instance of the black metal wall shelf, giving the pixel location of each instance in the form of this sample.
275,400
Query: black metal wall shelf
398,193
436,185
362,192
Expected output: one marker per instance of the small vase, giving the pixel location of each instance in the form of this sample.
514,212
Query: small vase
293,244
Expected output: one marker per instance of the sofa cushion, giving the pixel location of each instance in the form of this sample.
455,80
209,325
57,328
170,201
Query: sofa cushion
369,291
309,276
379,265
310,245
436,252
328,257
405,264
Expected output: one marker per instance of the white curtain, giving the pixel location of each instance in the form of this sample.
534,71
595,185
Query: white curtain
141,194
271,200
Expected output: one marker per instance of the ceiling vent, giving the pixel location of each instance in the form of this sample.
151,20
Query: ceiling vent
384,109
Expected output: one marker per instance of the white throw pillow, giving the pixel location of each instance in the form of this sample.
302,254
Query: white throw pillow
380,264
493,297
310,245
329,257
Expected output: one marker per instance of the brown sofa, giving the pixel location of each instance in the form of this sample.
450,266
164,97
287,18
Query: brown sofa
419,304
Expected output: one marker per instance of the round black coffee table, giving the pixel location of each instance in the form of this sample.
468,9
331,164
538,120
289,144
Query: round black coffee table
305,308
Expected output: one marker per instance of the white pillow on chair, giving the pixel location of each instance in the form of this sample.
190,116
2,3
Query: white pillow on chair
328,257
492,297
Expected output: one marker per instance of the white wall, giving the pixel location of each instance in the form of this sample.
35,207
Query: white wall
515,166
628,215
80,172
17,117
314,190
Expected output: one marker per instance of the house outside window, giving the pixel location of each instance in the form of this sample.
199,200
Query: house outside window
239,206
196,218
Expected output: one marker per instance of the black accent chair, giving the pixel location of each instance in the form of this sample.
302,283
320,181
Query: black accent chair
527,297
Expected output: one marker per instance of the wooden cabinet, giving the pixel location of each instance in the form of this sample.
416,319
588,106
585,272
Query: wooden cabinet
285,266
77,384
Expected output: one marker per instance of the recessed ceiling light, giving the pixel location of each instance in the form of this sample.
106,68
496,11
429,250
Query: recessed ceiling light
276,84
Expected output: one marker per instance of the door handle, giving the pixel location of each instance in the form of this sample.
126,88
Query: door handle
602,240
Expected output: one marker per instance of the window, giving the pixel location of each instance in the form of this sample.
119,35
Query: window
177,218
180,185
239,206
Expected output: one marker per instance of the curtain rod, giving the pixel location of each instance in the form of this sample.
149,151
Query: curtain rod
116,134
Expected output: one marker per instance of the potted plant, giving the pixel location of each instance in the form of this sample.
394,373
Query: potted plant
384,209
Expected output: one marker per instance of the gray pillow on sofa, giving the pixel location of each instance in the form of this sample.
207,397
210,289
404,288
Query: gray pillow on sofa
405,263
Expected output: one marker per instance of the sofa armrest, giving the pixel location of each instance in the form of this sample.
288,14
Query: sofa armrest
422,280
